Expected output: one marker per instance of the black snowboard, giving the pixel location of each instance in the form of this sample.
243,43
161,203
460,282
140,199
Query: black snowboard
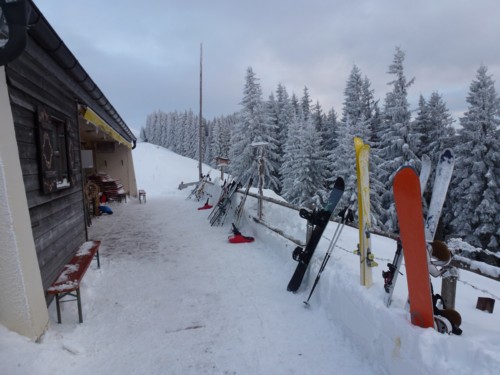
320,220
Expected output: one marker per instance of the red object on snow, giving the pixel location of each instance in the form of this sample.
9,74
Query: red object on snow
205,207
239,238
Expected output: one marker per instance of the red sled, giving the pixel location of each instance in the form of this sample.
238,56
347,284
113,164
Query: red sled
239,238
206,206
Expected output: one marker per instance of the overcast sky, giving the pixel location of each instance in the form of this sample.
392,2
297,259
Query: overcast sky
145,55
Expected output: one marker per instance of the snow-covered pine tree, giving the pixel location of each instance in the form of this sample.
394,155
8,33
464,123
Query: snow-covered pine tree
355,122
151,127
442,121
273,152
305,104
476,179
329,133
329,139
395,148
285,112
303,168
371,114
432,127
348,128
252,127
296,105
289,171
312,164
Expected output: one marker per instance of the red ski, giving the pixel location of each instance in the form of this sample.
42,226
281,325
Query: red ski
408,201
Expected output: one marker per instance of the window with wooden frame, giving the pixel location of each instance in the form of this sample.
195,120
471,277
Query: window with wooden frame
56,152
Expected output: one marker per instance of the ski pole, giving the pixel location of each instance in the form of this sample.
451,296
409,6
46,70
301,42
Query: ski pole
333,242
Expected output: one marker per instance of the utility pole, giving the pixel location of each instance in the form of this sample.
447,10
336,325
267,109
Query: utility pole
200,128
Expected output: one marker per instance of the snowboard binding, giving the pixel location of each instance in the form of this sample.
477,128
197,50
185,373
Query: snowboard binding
446,320
315,217
389,276
298,254
439,258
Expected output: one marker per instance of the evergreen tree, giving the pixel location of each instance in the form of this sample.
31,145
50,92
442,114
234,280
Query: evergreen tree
305,104
296,105
289,170
329,138
274,149
432,128
370,114
303,168
476,179
395,146
312,165
285,113
252,127
329,133
351,125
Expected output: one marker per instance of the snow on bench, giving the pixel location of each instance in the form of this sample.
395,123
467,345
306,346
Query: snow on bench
70,277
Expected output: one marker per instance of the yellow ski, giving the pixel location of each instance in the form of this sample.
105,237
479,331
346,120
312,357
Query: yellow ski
366,258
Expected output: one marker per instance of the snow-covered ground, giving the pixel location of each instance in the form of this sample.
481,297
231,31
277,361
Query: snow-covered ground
174,297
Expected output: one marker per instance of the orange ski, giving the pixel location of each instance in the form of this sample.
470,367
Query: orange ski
408,201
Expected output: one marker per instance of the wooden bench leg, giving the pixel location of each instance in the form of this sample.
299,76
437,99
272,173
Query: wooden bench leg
58,307
97,257
80,314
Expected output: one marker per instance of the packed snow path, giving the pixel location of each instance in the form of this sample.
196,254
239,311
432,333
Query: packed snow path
173,297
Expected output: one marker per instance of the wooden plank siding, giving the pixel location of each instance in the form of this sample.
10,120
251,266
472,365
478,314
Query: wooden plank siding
57,218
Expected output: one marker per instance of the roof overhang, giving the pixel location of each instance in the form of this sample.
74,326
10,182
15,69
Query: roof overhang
90,116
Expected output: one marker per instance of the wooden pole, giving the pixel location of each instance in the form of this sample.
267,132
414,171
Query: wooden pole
200,128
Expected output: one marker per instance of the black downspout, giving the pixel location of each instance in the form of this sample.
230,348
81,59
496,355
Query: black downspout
14,14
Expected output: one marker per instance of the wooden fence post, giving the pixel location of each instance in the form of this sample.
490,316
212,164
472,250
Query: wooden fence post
449,287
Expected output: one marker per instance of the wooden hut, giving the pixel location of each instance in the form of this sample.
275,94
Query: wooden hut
56,128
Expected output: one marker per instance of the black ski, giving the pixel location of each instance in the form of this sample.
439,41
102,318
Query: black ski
320,220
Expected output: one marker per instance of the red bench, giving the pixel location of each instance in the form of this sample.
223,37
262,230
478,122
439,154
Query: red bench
68,282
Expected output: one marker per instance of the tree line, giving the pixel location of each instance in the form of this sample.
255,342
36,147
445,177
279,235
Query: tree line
307,148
